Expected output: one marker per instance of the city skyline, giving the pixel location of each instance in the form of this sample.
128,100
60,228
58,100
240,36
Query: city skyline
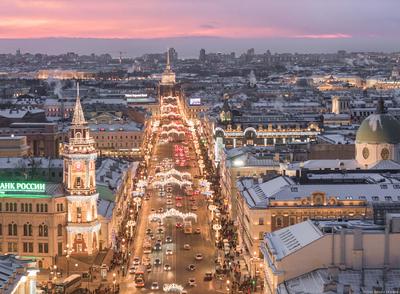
287,26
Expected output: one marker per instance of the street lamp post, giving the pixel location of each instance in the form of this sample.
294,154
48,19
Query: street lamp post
114,282
68,252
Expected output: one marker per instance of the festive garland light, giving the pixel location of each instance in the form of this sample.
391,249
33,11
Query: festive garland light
172,213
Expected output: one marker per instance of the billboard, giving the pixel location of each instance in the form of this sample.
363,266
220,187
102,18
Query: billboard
194,101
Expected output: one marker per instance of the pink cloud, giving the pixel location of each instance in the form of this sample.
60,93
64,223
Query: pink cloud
324,36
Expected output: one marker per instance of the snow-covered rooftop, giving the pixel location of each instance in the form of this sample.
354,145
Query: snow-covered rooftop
290,239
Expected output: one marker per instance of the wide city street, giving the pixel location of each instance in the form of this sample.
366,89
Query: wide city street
173,248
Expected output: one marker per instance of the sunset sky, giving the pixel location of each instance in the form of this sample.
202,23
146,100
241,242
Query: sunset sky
140,26
325,19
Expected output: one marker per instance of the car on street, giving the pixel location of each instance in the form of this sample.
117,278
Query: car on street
145,260
197,231
136,260
179,225
155,286
169,196
148,267
167,267
160,210
208,277
160,230
148,231
157,247
157,262
132,269
178,198
192,282
168,239
198,256
178,204
191,267
169,202
186,247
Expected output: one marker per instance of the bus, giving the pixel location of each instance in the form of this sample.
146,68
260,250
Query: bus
187,227
140,276
69,285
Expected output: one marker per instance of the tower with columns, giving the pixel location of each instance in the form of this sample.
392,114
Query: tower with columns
80,185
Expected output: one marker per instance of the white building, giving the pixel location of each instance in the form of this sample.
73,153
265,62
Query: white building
333,257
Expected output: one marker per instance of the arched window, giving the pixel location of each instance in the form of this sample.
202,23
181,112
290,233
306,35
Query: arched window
43,230
59,230
27,229
12,229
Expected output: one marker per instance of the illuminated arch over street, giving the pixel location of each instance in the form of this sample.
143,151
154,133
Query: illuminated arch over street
173,213
171,180
173,172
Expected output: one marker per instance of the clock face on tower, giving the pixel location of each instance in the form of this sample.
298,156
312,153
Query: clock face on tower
365,152
385,154
78,166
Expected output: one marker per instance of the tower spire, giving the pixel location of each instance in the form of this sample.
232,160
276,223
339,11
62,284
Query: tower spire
78,118
168,67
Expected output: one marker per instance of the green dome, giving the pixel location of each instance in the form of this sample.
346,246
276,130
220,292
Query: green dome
379,128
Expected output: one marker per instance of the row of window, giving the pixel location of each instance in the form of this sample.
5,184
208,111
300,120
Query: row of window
27,247
24,207
116,145
43,230
116,137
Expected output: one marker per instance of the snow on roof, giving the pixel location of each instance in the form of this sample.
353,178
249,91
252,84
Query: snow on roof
335,139
320,164
371,188
131,126
386,164
256,195
40,162
290,239
360,282
105,208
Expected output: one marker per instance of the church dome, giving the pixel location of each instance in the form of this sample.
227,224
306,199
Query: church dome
379,128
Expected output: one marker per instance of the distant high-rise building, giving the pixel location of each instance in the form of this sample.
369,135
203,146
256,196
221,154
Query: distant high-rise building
250,51
173,55
202,56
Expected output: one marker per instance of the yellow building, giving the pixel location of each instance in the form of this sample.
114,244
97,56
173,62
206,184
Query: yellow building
44,219
13,146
